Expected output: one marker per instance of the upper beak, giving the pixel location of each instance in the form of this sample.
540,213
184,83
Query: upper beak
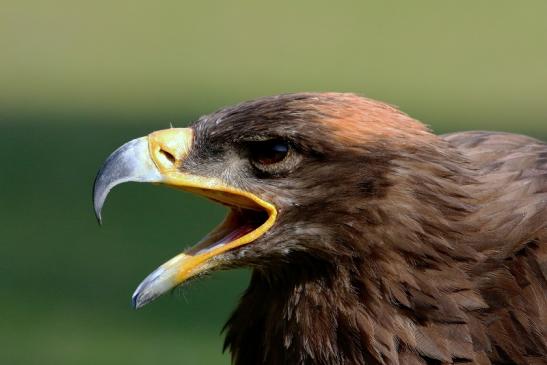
158,158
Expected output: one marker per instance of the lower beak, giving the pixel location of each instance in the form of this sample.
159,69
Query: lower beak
158,158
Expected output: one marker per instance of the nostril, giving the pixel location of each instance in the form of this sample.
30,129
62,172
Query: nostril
168,156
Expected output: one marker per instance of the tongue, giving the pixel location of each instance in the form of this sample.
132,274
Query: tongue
232,236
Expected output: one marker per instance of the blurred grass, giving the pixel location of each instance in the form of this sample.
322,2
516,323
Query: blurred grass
77,79
468,59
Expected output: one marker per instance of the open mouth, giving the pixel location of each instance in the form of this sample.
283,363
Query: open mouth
144,160
245,223
248,218
239,223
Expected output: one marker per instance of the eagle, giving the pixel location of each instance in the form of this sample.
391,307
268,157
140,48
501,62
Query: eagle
370,239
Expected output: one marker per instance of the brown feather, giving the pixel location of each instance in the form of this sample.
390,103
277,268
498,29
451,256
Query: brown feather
394,245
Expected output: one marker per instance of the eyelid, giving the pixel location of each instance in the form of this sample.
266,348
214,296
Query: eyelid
260,138
270,144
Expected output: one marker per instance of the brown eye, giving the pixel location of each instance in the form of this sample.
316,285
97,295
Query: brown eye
268,152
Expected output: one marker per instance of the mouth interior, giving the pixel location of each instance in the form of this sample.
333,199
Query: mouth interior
245,222
237,224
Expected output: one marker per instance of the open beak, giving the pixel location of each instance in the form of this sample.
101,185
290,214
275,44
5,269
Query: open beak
158,158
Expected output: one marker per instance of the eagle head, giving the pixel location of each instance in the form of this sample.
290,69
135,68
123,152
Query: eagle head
307,178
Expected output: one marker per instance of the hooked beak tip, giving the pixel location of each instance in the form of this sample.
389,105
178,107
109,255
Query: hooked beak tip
97,208
130,162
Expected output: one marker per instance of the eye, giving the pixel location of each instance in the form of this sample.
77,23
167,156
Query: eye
268,152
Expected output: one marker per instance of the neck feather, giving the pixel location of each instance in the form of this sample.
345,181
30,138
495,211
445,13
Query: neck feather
391,286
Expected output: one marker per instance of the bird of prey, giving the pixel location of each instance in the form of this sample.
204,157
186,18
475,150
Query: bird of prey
371,240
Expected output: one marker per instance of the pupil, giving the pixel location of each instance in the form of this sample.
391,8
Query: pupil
271,152
279,148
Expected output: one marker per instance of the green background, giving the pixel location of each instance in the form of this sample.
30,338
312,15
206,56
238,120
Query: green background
77,79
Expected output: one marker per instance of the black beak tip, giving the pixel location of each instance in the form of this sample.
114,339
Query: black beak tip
96,206
99,219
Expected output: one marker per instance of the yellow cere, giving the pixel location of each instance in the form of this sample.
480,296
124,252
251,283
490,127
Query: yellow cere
169,147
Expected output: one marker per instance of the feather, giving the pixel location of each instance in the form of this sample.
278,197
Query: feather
393,245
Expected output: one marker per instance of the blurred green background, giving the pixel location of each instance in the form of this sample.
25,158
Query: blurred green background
77,79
